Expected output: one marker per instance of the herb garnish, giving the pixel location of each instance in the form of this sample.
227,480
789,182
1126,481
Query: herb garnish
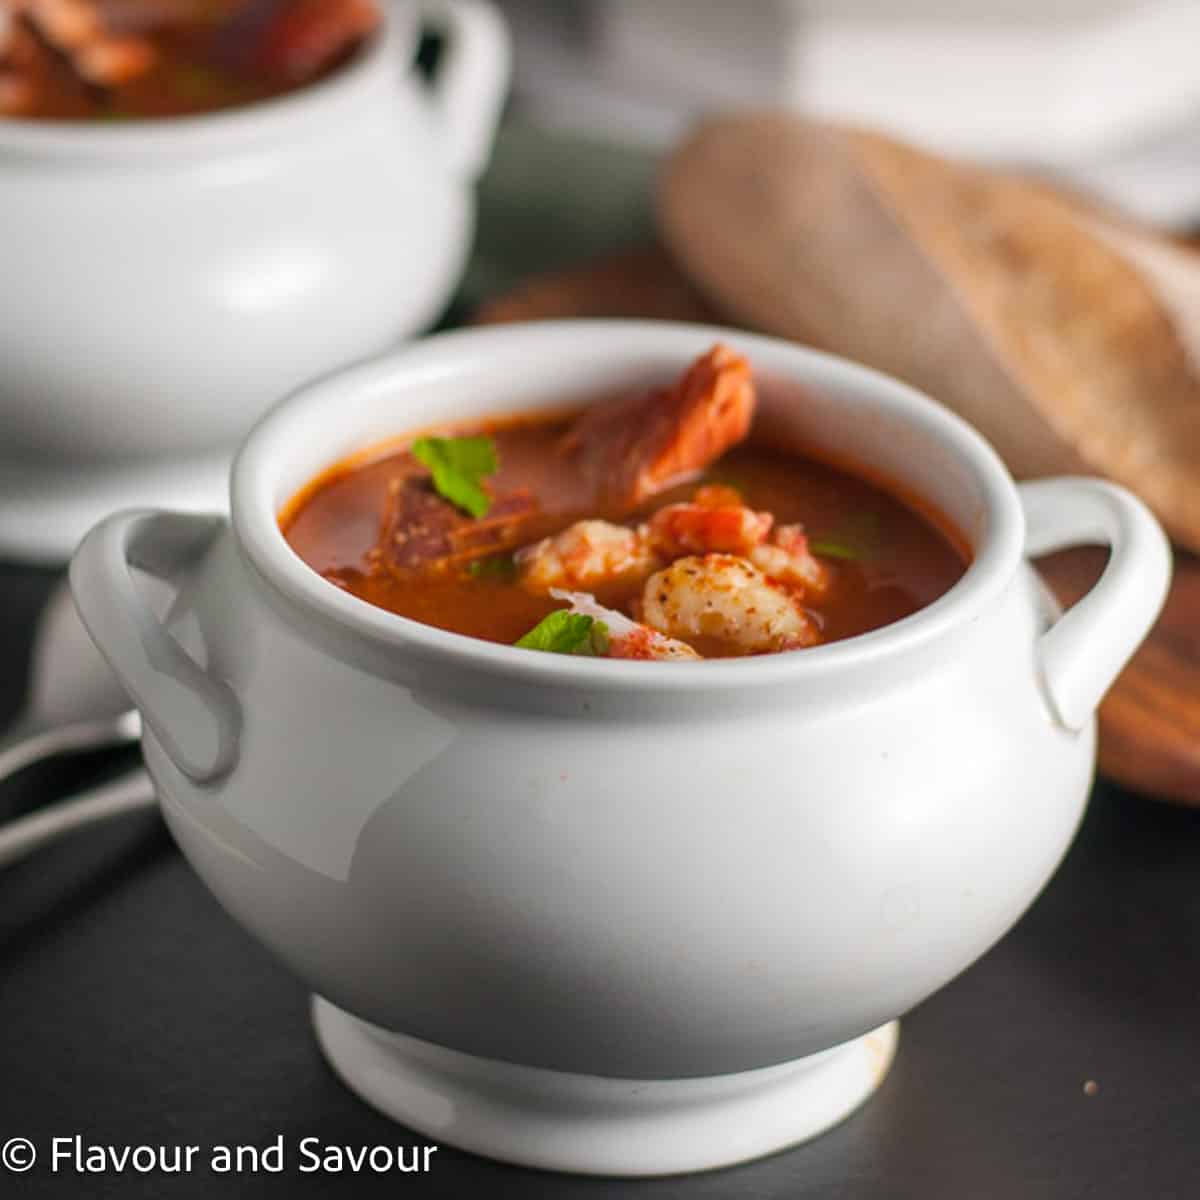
457,465
566,632
858,538
829,548
501,567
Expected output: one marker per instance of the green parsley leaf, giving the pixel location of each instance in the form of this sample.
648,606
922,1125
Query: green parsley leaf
457,466
858,538
565,632
599,639
191,81
500,567
829,548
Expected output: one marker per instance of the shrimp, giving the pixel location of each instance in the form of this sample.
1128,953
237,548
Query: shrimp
787,559
727,598
585,555
716,522
626,638
627,451
592,553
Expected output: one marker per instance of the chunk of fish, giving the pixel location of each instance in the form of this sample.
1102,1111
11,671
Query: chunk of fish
728,599
627,638
420,529
629,450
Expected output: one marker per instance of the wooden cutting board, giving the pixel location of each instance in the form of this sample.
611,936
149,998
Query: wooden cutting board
1150,722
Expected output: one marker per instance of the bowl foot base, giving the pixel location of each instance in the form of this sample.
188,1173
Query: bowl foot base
600,1126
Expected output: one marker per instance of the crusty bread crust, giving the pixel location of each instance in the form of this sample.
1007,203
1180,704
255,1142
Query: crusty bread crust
1058,331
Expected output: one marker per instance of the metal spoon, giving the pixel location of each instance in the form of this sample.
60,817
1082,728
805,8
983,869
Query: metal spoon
75,702
129,793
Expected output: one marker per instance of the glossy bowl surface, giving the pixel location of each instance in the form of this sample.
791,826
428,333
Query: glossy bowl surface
166,280
588,868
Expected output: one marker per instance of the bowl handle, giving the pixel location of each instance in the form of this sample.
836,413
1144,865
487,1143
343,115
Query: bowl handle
471,78
1085,650
195,717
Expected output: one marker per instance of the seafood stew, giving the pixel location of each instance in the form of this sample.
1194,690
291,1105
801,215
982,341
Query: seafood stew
649,526
112,60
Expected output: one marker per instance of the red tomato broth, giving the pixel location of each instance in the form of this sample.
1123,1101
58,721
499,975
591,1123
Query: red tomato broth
913,556
201,64
181,83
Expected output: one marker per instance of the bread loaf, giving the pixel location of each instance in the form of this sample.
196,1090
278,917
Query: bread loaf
1069,338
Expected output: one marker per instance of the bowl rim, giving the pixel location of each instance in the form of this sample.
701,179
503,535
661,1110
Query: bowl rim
254,512
205,132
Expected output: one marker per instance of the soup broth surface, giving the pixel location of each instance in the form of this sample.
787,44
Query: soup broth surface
120,60
886,561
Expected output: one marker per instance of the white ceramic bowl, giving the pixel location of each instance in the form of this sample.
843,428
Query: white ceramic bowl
611,916
164,281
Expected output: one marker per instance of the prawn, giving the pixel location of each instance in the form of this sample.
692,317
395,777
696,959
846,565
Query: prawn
627,638
715,522
786,558
585,555
727,598
589,554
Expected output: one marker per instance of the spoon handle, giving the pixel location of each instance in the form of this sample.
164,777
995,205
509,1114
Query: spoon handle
128,793
27,745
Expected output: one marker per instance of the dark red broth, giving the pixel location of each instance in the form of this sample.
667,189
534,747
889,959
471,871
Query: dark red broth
902,560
